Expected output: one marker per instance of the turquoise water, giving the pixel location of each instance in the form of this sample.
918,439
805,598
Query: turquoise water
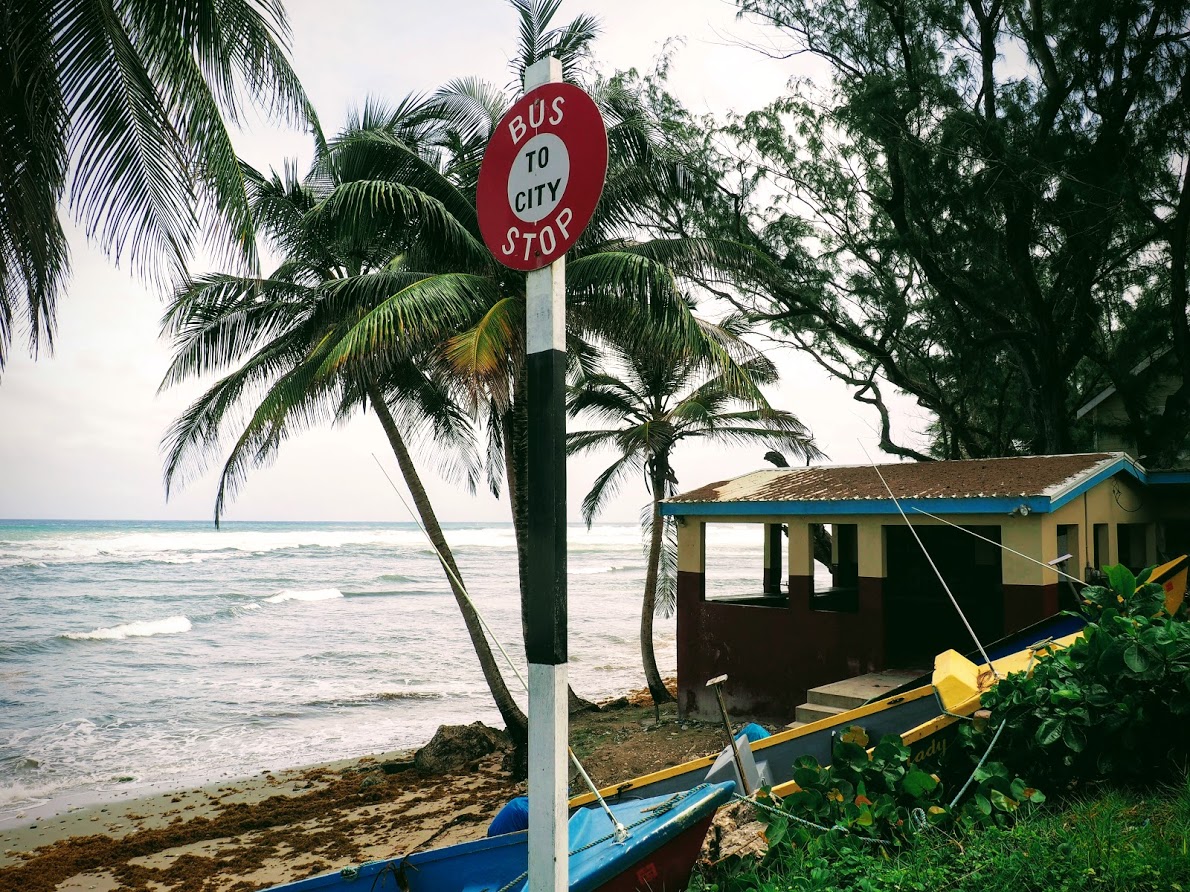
145,653
139,655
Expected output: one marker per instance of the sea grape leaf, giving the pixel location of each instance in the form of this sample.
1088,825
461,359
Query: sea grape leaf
917,783
1135,658
1002,802
1074,737
1122,581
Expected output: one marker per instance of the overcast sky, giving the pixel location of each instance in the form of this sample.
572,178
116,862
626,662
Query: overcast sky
81,429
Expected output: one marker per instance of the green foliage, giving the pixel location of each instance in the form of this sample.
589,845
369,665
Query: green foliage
985,206
126,102
1108,706
884,795
1117,841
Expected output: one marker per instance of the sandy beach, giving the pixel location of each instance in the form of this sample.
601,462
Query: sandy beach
252,833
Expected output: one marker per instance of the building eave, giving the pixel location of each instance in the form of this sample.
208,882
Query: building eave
1051,500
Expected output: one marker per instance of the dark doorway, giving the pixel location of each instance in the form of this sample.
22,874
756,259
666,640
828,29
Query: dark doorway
919,619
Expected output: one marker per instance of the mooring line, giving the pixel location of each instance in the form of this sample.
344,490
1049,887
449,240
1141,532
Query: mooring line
1000,545
621,832
933,566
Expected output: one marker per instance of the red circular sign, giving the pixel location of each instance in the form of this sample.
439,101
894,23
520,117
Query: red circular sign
542,175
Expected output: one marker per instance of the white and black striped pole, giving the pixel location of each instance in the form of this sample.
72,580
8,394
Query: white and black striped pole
545,647
539,184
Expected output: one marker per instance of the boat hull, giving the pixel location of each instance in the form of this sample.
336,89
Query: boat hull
916,714
666,870
666,835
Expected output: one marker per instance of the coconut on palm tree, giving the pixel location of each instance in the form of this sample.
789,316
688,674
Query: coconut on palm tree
127,101
656,391
278,342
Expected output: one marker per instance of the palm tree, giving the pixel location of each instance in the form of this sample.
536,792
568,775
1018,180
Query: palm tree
399,179
277,341
666,390
614,267
127,100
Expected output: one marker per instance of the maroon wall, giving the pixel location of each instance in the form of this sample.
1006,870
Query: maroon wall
1028,604
771,654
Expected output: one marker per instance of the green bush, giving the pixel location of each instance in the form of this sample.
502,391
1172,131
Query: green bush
883,798
1114,841
1112,706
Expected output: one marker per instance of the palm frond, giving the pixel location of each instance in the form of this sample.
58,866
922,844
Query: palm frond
480,355
607,484
666,597
299,399
215,320
131,185
33,164
415,317
578,442
424,408
469,108
195,437
362,208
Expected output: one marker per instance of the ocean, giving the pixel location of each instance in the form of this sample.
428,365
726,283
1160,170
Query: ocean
137,656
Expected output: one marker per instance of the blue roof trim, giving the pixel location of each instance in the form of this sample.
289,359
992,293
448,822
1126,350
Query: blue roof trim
968,505
1157,478
1120,464
972,505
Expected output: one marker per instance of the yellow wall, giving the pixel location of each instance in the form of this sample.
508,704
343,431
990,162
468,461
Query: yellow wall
690,545
873,551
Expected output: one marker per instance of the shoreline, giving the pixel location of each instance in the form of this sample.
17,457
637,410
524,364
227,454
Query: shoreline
117,798
279,826
151,807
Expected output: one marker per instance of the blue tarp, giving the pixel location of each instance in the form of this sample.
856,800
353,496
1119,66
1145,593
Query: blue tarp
754,732
513,817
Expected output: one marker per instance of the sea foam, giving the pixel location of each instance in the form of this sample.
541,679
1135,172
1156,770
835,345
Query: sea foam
322,594
143,629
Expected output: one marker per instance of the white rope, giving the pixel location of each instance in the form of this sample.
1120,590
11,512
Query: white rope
946,588
453,575
1000,545
792,817
621,833
995,737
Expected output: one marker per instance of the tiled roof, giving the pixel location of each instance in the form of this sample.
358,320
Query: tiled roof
1041,475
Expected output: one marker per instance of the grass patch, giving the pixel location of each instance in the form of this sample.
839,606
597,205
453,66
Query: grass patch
1111,841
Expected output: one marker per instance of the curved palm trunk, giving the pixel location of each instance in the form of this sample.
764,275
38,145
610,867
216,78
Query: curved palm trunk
514,719
657,688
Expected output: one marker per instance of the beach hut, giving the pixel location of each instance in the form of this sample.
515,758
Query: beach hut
877,604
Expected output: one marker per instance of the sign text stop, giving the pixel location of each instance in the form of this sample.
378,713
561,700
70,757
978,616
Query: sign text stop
542,175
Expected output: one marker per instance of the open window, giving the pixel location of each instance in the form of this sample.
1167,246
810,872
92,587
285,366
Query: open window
841,593
743,564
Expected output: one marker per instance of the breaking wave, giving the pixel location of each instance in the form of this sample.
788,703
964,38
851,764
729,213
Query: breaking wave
143,629
321,594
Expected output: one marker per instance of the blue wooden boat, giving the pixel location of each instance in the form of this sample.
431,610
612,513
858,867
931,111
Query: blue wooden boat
665,837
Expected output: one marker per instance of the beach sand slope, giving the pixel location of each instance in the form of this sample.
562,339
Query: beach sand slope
251,834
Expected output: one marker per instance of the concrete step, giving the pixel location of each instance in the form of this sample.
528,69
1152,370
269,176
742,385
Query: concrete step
852,692
813,712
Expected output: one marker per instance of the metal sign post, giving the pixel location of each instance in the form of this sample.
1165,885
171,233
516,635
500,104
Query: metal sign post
545,347
540,181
